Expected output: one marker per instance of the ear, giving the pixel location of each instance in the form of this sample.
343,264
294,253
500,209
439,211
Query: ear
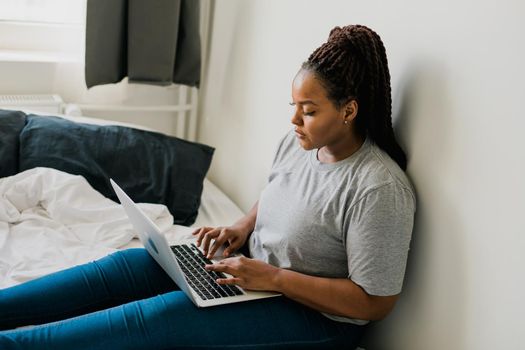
350,110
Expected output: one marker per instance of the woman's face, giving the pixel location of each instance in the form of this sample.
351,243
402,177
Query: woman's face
317,121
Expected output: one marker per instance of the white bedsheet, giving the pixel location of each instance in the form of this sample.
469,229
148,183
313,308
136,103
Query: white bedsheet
216,208
50,220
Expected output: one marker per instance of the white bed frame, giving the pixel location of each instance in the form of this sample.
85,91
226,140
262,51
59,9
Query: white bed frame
185,110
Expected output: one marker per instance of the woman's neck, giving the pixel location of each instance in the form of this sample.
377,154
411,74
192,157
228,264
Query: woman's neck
341,150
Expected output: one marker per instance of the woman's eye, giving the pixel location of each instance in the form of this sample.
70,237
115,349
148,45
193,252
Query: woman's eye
308,113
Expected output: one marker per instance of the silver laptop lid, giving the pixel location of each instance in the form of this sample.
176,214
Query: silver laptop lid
153,240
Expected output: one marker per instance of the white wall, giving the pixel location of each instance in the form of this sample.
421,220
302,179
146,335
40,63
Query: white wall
458,87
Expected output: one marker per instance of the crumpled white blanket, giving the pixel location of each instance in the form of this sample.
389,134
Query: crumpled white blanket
51,220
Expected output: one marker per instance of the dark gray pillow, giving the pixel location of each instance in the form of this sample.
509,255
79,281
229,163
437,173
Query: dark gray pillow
11,124
150,167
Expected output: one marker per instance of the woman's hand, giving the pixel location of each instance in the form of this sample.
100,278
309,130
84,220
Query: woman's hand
247,273
234,235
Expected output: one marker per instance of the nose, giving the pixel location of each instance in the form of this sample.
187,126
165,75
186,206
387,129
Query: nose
297,118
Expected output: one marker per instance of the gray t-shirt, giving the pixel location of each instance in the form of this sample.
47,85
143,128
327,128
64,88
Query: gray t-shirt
349,219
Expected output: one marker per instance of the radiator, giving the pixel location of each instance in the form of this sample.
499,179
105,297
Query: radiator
36,103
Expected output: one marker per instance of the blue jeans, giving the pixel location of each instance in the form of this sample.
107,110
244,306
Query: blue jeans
126,301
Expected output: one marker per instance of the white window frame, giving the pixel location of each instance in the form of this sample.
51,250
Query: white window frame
30,41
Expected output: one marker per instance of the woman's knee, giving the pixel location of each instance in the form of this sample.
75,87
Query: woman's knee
125,266
132,253
132,258
140,270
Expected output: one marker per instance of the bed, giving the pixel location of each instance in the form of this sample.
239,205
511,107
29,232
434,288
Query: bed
57,209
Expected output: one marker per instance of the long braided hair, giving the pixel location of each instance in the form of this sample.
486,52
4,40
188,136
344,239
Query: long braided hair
352,65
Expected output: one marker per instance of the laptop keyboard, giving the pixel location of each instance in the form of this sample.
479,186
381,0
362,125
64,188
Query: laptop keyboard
192,261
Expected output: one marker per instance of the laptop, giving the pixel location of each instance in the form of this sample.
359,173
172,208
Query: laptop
184,262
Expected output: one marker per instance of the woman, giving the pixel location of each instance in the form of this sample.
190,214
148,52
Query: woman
331,232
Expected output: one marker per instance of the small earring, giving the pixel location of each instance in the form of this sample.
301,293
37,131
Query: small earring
346,122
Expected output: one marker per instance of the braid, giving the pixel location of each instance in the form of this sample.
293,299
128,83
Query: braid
352,64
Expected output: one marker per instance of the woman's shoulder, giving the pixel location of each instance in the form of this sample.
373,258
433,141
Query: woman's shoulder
377,170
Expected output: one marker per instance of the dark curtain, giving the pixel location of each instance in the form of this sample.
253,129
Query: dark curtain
149,41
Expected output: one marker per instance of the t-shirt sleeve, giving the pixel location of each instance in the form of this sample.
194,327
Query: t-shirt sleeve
378,237
283,150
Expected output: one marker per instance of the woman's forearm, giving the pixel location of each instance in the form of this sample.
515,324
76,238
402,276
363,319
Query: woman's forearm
337,296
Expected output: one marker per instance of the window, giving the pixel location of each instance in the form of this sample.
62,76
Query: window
43,11
42,30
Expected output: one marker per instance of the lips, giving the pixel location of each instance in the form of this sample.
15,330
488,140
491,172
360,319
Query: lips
299,134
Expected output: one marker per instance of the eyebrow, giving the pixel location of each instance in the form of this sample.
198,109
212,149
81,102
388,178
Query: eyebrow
305,102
